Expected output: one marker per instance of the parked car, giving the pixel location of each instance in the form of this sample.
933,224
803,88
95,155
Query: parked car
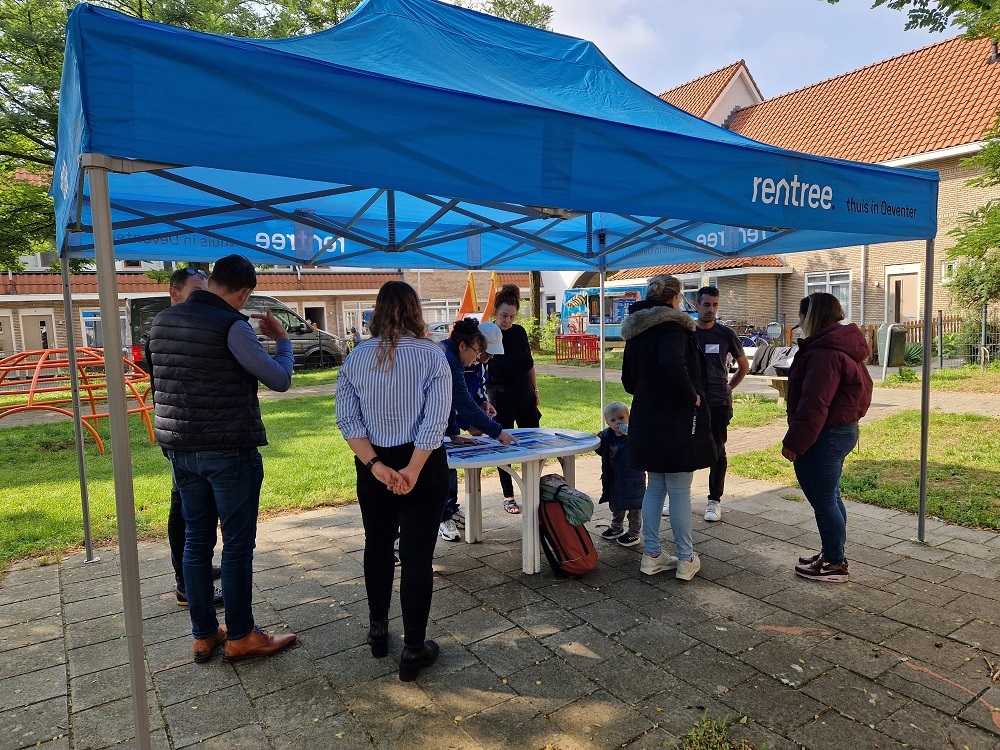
440,331
312,347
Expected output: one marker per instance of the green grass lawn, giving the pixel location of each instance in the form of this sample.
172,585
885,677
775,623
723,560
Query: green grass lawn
968,379
307,464
963,467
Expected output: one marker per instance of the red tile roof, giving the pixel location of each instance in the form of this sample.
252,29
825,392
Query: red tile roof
267,282
86,283
697,97
939,96
764,261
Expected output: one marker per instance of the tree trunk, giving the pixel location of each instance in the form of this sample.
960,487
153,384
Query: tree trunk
536,308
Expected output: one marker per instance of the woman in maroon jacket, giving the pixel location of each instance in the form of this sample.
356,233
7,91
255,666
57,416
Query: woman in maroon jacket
829,390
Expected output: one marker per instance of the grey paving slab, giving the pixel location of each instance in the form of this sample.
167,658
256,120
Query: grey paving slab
617,658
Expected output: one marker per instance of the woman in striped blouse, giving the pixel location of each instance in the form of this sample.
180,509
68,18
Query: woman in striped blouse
393,404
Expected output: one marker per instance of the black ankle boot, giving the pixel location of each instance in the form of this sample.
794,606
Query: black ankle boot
378,638
415,658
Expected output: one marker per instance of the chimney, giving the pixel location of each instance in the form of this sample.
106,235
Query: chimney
996,54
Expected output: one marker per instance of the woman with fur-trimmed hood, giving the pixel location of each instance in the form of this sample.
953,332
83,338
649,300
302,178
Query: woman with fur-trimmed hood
670,433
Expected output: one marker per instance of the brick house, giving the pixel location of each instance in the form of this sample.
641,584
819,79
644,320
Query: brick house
926,109
32,314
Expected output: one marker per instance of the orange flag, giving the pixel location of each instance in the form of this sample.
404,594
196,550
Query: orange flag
491,297
469,302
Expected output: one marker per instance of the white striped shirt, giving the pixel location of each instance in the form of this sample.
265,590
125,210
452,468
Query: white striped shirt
410,404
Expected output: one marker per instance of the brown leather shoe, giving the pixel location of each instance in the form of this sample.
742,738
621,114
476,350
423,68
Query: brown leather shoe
205,647
257,643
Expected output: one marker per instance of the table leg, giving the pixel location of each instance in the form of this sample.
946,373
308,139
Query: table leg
568,464
530,546
473,506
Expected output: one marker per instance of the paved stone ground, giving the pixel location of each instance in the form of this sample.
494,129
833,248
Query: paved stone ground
900,657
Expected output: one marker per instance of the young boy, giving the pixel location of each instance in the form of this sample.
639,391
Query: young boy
622,488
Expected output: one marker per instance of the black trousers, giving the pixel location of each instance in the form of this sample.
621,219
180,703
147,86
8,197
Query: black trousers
415,517
175,536
514,406
721,416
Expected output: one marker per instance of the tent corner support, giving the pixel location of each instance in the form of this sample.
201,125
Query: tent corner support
121,453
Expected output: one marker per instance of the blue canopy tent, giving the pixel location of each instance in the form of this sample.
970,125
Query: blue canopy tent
417,134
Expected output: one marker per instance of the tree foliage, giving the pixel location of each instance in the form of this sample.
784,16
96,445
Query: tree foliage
527,12
32,38
976,281
937,15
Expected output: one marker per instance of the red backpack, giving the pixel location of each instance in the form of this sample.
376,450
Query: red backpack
569,549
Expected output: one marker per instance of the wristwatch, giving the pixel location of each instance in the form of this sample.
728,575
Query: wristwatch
372,461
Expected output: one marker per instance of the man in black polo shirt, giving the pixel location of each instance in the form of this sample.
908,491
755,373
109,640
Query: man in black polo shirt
719,343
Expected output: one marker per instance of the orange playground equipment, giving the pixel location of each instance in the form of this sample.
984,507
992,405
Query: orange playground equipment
40,380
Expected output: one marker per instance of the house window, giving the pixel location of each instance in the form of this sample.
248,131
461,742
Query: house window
691,287
837,283
93,331
948,271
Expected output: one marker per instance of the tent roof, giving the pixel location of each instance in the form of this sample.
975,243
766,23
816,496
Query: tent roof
417,134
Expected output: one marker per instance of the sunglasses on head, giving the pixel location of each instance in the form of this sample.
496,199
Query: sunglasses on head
196,271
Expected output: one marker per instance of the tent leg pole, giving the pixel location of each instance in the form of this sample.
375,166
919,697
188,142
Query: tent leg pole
925,389
603,370
121,452
74,374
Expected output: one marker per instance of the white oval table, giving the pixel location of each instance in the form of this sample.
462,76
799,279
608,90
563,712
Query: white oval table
535,445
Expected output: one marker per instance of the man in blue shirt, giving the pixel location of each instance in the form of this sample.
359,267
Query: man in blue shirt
206,363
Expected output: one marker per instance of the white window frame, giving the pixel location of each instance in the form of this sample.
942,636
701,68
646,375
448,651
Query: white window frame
948,271
90,316
820,281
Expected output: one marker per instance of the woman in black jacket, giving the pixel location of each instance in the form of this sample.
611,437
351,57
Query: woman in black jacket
510,381
670,433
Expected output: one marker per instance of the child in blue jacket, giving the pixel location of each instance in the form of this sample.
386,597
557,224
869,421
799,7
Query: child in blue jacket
622,488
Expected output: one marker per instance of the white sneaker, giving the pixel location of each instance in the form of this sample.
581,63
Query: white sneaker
447,531
666,509
713,511
652,565
686,569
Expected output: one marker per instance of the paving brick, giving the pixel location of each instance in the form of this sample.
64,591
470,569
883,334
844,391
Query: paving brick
543,618
923,728
712,671
510,651
980,634
610,616
862,657
985,712
29,658
602,720
787,661
936,619
632,678
927,686
584,647
834,732
374,702
475,624
508,596
111,723
854,695
341,728
551,685
656,641
862,624
725,635
773,705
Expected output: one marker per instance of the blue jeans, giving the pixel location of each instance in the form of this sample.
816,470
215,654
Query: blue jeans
216,486
657,486
818,471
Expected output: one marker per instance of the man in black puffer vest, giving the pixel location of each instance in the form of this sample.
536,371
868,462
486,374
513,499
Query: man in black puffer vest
206,361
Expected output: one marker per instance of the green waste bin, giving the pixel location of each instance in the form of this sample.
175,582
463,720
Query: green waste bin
895,349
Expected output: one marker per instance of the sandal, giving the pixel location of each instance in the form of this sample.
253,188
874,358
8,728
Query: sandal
510,505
